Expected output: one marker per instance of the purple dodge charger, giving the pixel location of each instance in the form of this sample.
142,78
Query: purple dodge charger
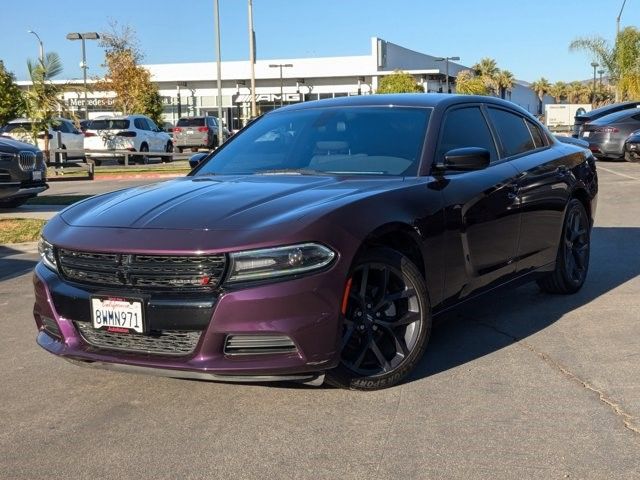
320,241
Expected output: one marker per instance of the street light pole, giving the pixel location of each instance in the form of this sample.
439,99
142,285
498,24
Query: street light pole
594,65
41,46
446,68
252,61
82,37
281,66
219,67
618,19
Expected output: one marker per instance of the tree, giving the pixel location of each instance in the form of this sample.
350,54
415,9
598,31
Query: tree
541,87
620,62
468,83
135,92
487,70
399,82
504,80
558,91
578,92
42,101
11,98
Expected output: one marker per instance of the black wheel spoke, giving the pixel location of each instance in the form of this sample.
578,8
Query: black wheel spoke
363,352
384,363
363,283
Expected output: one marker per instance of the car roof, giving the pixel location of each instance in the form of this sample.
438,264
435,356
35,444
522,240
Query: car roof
429,100
615,116
602,111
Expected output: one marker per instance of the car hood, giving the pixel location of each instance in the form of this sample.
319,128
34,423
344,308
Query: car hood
222,203
9,145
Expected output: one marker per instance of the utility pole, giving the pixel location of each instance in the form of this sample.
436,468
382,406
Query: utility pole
252,60
219,66
594,65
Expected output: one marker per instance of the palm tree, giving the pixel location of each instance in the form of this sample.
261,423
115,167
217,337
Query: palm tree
578,92
620,61
42,100
541,87
504,81
487,69
558,91
468,83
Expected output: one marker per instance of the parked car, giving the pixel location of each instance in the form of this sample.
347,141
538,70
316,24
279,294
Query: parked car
197,132
23,173
606,135
135,133
324,238
586,117
632,147
72,138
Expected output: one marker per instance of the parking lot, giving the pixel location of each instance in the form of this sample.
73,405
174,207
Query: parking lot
517,385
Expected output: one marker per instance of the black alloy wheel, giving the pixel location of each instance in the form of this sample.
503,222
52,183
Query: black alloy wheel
386,322
572,263
143,159
168,149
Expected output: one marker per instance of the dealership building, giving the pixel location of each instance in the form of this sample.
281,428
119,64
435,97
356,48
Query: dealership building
189,89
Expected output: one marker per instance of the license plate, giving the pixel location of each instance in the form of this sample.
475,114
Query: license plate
118,315
585,134
189,132
36,175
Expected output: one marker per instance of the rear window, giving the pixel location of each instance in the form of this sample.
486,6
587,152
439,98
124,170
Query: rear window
191,122
108,124
16,126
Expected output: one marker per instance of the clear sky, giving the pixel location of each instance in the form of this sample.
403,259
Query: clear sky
528,37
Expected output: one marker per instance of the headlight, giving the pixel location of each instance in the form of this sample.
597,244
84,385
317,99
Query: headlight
278,262
47,254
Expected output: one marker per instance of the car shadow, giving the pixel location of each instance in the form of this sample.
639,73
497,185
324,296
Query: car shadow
505,316
11,266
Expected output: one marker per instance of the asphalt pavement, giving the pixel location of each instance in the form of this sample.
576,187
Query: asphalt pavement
518,385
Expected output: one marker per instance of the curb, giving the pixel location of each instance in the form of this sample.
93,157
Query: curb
141,176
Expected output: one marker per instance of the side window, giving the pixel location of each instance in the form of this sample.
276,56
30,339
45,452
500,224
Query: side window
465,127
538,136
140,124
513,132
151,125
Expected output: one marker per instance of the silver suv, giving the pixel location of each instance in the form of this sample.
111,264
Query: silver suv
197,132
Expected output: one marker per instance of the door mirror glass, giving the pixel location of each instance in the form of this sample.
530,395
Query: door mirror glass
195,160
467,159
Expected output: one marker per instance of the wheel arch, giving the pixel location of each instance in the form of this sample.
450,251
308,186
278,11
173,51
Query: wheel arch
584,198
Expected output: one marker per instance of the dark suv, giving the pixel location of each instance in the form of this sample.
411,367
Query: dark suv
22,172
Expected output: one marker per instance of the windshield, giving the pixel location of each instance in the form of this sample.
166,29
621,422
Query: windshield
108,124
341,140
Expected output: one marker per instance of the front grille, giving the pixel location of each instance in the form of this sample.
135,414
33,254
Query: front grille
258,344
146,272
164,342
27,161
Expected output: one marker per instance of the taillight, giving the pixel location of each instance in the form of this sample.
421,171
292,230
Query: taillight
126,134
606,130
89,134
203,129
177,130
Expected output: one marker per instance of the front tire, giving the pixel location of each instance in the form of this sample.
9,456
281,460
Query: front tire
572,262
386,324
168,149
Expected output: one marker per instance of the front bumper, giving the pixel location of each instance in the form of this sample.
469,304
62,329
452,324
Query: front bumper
305,309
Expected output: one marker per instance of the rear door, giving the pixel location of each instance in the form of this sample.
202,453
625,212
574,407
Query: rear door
481,208
542,185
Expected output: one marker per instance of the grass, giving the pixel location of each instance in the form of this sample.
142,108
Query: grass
18,230
56,199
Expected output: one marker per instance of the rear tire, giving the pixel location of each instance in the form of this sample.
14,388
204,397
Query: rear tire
386,325
572,262
142,159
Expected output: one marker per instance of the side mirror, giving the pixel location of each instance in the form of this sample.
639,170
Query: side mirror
195,160
467,159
